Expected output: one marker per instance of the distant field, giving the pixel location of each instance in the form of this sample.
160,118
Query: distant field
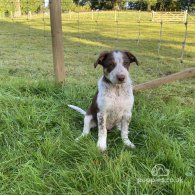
37,130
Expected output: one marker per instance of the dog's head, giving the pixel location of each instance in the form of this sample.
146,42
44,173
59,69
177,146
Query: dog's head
116,65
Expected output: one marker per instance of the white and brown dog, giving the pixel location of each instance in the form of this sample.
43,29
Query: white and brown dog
112,104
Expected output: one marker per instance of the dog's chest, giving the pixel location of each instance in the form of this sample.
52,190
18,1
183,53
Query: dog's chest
116,99
115,102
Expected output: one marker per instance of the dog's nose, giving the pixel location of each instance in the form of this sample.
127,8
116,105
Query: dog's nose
121,77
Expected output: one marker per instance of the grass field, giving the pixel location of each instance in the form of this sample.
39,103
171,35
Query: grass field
38,152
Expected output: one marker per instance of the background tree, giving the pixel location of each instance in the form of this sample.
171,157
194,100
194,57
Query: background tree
150,4
136,4
17,8
119,4
24,6
6,7
32,5
67,5
102,4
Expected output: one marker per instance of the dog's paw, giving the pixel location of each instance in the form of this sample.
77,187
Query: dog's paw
102,146
80,137
128,143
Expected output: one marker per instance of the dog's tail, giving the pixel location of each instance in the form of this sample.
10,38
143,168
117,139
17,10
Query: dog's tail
77,109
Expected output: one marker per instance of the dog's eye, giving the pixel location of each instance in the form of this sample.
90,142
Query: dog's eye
111,64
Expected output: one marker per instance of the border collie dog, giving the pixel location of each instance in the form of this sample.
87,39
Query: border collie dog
113,102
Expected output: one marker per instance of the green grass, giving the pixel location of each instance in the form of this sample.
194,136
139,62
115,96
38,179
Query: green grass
38,152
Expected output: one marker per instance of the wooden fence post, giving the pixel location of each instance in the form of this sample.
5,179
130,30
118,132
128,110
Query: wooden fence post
57,40
185,16
139,31
185,38
164,80
160,39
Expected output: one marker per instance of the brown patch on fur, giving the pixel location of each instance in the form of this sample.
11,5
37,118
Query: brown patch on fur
106,59
130,56
93,109
101,58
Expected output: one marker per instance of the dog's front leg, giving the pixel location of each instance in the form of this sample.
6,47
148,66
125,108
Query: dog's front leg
102,131
124,130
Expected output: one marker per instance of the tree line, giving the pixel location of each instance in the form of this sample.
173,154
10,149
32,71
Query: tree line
138,4
19,7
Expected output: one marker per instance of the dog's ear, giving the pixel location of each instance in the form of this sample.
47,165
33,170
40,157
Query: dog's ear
100,59
131,57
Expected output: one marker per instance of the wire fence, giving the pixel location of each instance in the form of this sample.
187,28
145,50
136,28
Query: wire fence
25,42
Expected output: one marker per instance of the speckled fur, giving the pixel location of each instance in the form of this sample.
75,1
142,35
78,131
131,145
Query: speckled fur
115,101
